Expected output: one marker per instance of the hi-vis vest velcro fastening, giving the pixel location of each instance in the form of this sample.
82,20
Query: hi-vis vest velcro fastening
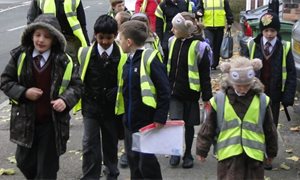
286,47
160,14
148,91
66,78
193,71
214,13
70,6
84,56
235,136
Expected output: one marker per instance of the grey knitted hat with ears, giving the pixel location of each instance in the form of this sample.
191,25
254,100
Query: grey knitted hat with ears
241,71
48,22
183,25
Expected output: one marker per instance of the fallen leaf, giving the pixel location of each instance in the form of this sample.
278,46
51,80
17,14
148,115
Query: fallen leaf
12,159
9,171
284,166
293,158
289,150
267,178
295,129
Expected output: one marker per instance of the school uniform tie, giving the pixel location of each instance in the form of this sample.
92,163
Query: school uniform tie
37,60
267,48
104,55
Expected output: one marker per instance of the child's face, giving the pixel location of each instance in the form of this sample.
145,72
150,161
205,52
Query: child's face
242,89
178,34
269,33
42,40
124,43
119,7
105,40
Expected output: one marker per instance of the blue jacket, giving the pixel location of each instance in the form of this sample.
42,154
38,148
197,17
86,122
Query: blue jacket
137,114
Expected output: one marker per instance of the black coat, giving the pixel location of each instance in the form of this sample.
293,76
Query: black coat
22,122
137,113
178,76
100,84
287,96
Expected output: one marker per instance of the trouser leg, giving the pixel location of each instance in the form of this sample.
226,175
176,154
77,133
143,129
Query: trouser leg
275,112
189,137
91,149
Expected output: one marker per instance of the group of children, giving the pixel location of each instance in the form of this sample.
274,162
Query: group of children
119,79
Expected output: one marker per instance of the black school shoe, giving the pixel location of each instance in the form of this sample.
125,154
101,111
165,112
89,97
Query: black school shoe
174,161
268,167
188,162
123,161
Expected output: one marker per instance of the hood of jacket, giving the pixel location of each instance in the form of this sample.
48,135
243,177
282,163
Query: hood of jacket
48,22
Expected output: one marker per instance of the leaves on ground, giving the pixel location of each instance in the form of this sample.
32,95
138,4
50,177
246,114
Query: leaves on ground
284,166
12,159
289,150
293,158
9,171
295,129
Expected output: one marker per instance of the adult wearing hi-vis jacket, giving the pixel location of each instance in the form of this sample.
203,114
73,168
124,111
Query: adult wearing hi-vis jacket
215,14
71,17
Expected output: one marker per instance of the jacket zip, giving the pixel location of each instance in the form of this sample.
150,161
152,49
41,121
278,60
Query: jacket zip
177,64
129,95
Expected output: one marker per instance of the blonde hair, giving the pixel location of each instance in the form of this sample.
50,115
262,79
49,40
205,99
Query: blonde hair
191,17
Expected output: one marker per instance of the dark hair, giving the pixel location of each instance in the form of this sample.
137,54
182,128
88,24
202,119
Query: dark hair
135,30
106,24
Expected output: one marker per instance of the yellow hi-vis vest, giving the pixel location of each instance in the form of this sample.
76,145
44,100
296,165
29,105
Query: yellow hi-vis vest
84,55
286,48
214,13
193,71
66,78
148,91
235,136
70,6
160,14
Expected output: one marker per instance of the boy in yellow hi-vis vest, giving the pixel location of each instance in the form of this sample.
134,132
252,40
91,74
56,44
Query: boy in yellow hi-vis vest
43,87
239,123
143,95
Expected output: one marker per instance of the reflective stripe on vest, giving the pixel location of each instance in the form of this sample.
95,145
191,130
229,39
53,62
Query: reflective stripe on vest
143,7
70,6
286,47
193,71
236,136
214,14
67,74
148,91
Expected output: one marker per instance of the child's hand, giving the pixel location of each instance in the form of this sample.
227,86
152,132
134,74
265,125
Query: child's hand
158,125
200,158
59,105
33,93
268,161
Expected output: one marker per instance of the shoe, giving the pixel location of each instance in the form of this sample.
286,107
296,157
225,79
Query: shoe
188,162
123,161
268,166
174,161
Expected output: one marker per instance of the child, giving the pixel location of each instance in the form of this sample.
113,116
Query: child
122,17
278,73
153,40
42,86
117,6
189,75
145,88
240,124
164,13
99,72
